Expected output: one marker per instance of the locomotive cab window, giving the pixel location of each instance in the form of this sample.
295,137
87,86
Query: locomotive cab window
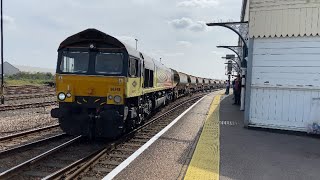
109,63
148,78
134,67
74,62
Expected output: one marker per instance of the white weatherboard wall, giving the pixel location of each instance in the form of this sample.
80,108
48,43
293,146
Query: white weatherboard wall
285,88
280,18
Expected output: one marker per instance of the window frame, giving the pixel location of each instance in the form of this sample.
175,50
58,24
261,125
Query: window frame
62,60
92,55
110,74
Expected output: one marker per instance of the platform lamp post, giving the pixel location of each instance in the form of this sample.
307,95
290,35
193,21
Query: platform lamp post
136,44
2,69
231,57
242,30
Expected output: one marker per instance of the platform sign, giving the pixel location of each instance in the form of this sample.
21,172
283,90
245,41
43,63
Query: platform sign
229,66
230,56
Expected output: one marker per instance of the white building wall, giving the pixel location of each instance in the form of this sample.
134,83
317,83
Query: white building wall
282,18
285,85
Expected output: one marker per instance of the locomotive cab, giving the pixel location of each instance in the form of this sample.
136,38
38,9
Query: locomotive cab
91,78
105,87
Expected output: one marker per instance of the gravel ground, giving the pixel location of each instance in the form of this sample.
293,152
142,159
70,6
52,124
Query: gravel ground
25,119
16,90
28,101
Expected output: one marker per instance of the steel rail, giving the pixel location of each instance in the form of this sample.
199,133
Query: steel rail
28,132
12,171
29,96
27,105
28,145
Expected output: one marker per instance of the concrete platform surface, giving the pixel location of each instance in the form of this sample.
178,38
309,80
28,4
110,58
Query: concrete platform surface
256,154
166,157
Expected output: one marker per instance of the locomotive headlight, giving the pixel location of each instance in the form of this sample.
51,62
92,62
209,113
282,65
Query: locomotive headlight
110,97
61,96
117,99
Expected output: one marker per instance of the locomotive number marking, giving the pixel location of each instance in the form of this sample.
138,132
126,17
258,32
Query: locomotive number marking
115,89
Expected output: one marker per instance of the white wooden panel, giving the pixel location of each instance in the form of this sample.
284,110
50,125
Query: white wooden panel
288,57
285,79
288,50
284,23
318,23
252,21
290,22
290,112
279,105
289,18
296,21
273,26
308,20
303,15
314,24
299,109
278,21
268,25
261,25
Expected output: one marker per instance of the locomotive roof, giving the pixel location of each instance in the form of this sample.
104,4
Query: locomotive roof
97,36
94,35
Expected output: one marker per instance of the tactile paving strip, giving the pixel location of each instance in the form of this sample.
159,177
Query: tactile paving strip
205,160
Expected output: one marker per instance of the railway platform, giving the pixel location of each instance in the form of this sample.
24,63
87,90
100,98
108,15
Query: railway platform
209,142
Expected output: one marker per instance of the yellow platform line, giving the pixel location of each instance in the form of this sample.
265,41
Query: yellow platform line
206,158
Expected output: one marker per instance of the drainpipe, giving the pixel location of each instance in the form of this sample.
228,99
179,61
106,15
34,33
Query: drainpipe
243,88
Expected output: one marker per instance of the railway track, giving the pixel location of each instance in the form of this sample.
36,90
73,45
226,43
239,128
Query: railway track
12,165
27,89
73,158
31,96
105,161
20,139
27,105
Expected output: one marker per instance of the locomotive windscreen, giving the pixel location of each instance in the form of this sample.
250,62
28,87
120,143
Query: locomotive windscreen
74,62
104,63
109,63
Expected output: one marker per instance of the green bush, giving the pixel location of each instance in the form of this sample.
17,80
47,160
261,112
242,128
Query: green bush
25,78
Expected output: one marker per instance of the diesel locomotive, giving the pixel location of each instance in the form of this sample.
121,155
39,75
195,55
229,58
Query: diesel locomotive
105,87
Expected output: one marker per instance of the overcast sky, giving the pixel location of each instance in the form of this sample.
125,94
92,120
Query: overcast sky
171,29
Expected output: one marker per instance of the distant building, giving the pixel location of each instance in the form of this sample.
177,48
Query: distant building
9,69
31,69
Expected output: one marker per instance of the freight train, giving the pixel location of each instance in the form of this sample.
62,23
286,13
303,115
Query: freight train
105,87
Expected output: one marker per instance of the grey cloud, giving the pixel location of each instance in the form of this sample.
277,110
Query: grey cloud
184,43
198,3
173,54
198,26
187,23
8,19
219,53
181,23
